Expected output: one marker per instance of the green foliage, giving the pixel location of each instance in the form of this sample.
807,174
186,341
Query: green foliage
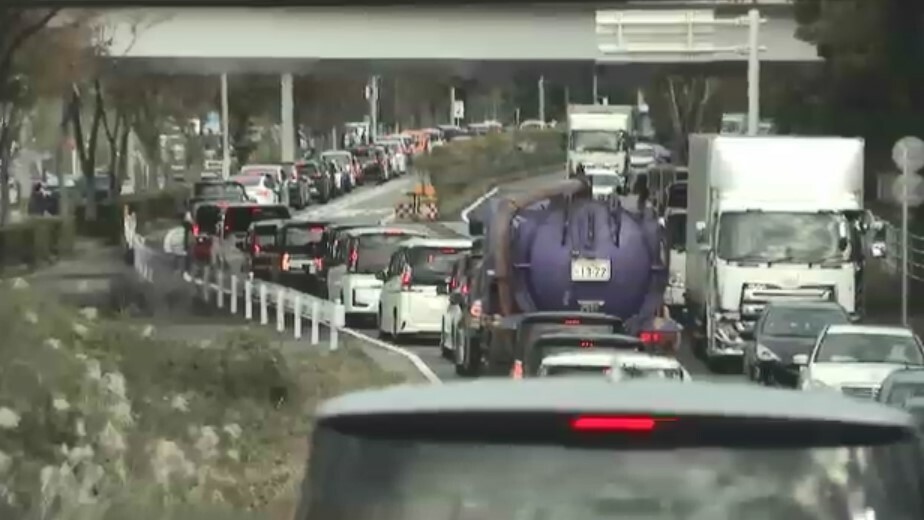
462,169
100,419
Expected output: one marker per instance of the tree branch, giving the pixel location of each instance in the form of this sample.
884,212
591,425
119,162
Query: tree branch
22,37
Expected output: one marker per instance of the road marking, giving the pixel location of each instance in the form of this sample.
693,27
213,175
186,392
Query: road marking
418,363
473,205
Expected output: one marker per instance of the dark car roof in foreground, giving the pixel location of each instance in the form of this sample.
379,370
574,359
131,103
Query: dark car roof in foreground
583,395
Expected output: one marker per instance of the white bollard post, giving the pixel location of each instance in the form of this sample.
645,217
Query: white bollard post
280,309
337,321
297,314
248,299
233,294
205,283
315,318
220,282
264,311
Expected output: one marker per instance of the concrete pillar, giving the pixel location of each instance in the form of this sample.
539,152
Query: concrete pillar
225,130
287,121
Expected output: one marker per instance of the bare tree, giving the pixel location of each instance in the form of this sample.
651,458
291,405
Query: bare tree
688,99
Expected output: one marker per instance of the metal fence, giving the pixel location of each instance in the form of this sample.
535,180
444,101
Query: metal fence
267,302
894,257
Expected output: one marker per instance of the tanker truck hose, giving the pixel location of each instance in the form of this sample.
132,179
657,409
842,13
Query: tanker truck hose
501,225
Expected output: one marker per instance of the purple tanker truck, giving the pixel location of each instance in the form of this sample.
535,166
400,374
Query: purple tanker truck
556,251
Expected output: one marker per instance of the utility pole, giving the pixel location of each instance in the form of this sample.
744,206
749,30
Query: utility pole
452,105
542,98
225,141
595,87
374,107
753,71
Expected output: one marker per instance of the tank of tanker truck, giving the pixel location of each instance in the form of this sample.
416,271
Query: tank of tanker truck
557,249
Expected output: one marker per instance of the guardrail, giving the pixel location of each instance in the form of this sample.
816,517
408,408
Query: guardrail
241,296
894,258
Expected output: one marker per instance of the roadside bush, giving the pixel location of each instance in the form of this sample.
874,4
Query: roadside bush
462,169
41,240
100,419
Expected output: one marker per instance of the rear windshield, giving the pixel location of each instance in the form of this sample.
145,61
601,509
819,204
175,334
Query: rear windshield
677,196
239,219
265,236
249,180
562,370
361,152
307,169
305,240
374,251
640,371
207,219
432,265
210,190
676,227
358,478
544,349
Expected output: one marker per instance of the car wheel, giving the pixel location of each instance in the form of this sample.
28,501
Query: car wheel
445,351
395,337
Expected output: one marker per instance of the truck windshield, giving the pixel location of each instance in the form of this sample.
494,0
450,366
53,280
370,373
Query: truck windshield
357,478
780,237
596,141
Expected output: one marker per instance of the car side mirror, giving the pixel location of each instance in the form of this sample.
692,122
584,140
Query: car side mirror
475,228
800,360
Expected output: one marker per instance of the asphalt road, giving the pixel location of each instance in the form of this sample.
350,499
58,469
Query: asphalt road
376,203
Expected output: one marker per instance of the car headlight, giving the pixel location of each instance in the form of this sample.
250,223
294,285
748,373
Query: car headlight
765,354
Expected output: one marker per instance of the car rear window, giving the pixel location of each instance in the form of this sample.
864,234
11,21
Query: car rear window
357,477
432,265
361,152
305,239
238,219
215,190
207,219
374,251
249,180
575,370
265,236
308,169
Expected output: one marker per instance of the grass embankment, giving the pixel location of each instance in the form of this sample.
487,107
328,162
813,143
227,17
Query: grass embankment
99,419
463,170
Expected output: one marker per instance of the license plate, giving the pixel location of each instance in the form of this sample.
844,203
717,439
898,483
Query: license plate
590,270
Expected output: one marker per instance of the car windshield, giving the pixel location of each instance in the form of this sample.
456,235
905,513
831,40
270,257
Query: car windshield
800,322
780,237
239,219
869,348
375,250
304,240
355,478
225,190
901,392
432,265
574,370
596,141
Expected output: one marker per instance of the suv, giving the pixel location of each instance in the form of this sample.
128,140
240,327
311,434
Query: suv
300,248
261,249
460,340
231,223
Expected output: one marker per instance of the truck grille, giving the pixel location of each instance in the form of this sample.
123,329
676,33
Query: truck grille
861,392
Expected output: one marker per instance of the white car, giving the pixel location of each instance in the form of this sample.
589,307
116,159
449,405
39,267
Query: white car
634,365
604,183
396,154
344,160
416,289
577,363
359,256
856,359
260,187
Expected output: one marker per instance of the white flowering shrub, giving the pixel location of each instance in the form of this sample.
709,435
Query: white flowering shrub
100,419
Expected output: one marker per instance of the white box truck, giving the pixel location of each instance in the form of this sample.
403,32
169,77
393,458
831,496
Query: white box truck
770,217
599,137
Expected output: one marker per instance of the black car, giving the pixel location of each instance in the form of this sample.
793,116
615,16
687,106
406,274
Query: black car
465,294
784,329
300,244
299,187
372,162
329,240
322,182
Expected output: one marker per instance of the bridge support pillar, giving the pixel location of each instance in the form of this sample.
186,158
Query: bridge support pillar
287,119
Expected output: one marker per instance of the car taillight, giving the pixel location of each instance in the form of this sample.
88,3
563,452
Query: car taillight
464,289
319,263
256,248
517,371
475,309
354,258
286,262
607,423
651,337
586,344
195,230
406,280
572,322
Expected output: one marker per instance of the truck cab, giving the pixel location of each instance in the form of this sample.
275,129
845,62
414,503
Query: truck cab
599,137
758,233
